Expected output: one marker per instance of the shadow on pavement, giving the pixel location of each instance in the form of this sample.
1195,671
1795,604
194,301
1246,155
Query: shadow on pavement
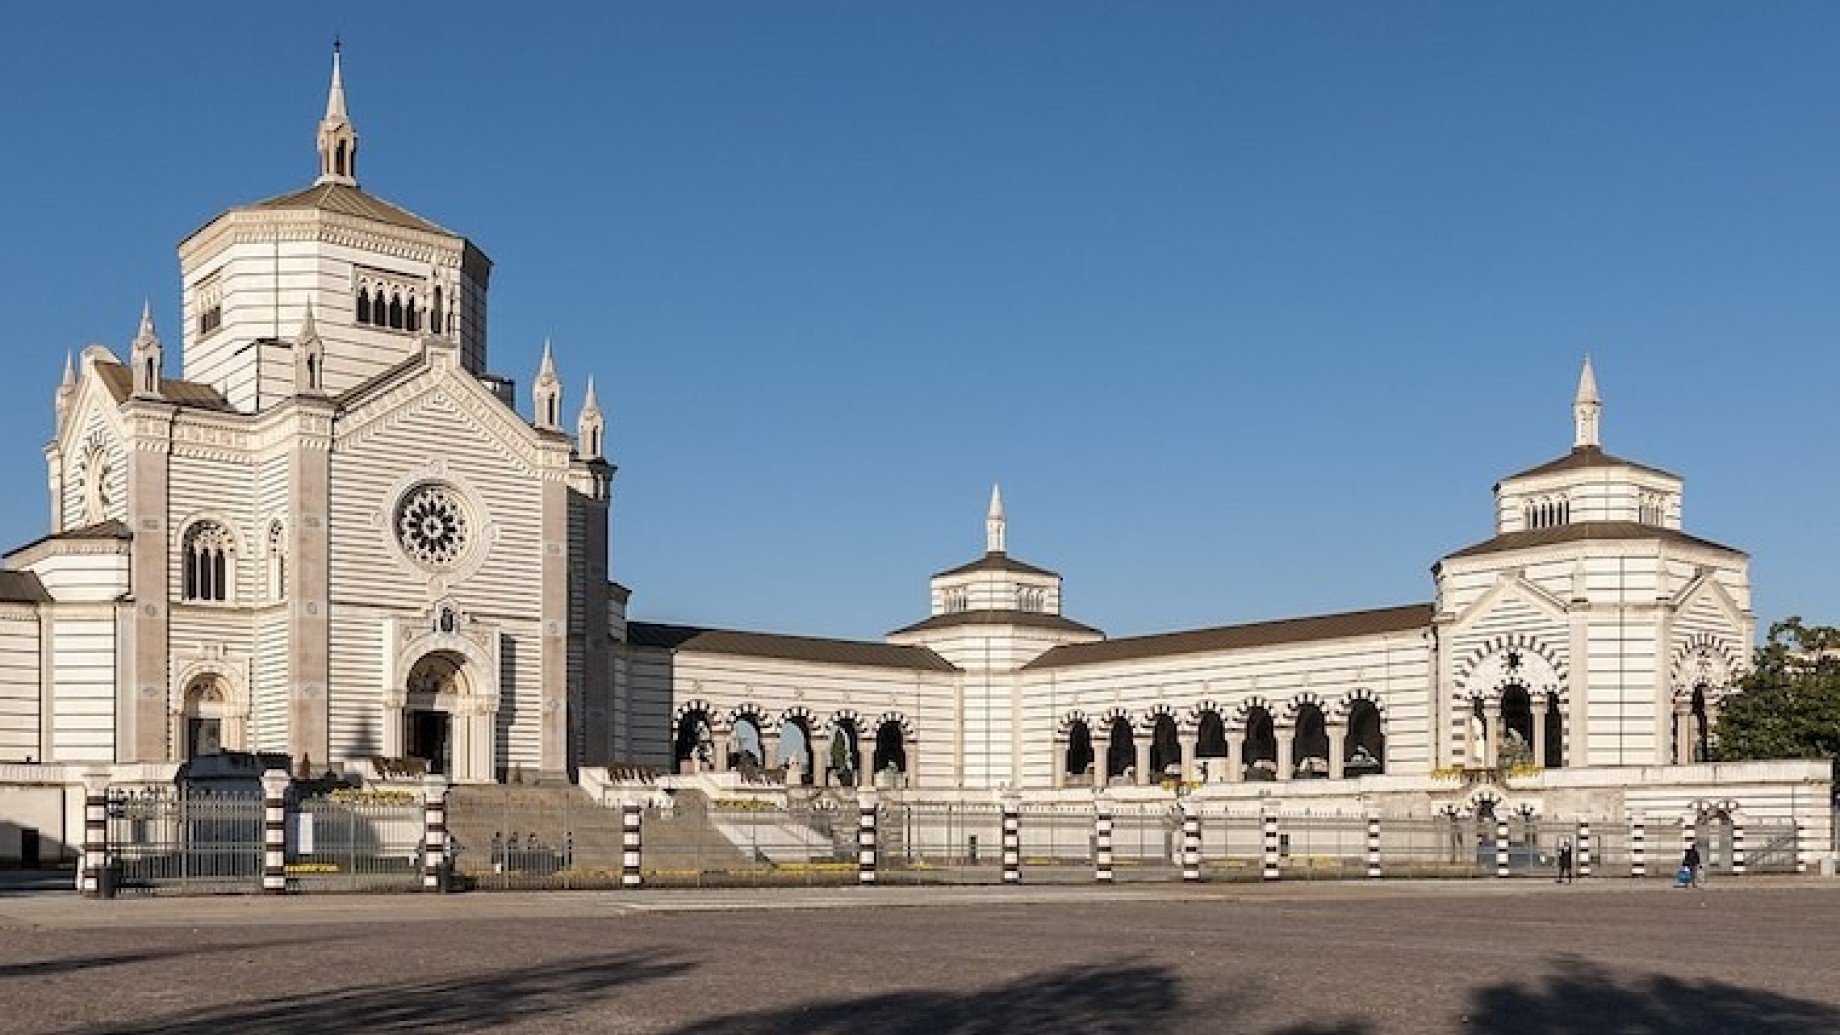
73,964
1578,998
464,1003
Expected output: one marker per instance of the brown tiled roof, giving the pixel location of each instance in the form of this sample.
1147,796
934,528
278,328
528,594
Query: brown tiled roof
1584,531
22,587
1238,637
350,201
120,382
1029,619
110,529
790,648
1582,457
996,560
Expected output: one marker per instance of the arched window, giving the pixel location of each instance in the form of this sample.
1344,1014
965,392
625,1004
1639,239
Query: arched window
434,311
411,318
338,158
277,561
364,305
396,311
208,562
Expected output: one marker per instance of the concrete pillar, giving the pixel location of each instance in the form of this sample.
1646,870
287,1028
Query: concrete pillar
1102,841
95,835
632,873
1268,821
1191,841
1338,747
866,845
1373,845
434,833
274,832
1012,840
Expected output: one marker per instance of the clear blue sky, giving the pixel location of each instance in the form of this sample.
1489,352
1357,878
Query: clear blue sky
1246,306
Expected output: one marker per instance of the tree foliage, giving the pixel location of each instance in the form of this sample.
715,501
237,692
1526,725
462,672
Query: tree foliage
1790,704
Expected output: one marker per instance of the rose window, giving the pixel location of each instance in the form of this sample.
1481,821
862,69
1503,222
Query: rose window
431,525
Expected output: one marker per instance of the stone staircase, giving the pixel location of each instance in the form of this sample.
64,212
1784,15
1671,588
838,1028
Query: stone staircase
548,828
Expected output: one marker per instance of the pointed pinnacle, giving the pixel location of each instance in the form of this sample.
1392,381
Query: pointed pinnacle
1587,383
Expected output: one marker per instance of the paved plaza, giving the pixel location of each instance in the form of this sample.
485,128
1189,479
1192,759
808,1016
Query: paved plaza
1521,956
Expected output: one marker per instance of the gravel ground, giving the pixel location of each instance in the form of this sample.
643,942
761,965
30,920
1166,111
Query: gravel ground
1324,959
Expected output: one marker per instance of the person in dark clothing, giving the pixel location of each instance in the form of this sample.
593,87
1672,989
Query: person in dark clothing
1690,863
1565,862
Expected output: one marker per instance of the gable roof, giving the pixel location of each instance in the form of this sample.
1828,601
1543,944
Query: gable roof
1584,457
996,560
1585,531
119,380
348,201
22,587
1029,619
698,640
1238,637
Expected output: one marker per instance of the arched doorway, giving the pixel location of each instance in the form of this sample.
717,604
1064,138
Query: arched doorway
1079,758
890,748
1121,751
1366,747
845,759
1553,733
435,686
1210,744
795,750
1260,749
747,755
1699,726
1310,743
1165,749
1517,731
206,707
693,747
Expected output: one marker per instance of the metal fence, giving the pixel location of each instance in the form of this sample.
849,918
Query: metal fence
174,841
370,845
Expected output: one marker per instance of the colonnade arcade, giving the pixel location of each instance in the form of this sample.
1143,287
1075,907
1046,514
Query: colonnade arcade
1702,673
1513,703
1304,737
844,748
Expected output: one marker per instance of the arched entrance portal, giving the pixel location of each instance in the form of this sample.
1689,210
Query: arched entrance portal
890,749
444,717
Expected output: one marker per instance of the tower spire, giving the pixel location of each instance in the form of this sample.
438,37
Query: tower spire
546,393
590,427
994,523
338,141
1587,409
146,356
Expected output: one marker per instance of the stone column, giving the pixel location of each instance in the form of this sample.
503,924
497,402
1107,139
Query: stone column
1235,751
1338,748
434,833
1287,746
769,749
1191,747
309,629
632,872
1142,744
1683,733
274,832
1491,711
1540,708
90,880
866,845
1059,766
722,739
1191,842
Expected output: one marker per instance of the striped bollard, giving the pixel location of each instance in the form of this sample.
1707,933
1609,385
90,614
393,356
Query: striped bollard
274,832
631,813
434,833
1501,848
1584,848
1737,845
95,834
1269,821
1191,842
1638,846
1102,841
1012,842
1373,846
1801,854
865,838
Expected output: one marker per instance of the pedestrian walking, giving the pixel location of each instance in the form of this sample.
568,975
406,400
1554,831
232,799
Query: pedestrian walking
1565,862
1690,863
